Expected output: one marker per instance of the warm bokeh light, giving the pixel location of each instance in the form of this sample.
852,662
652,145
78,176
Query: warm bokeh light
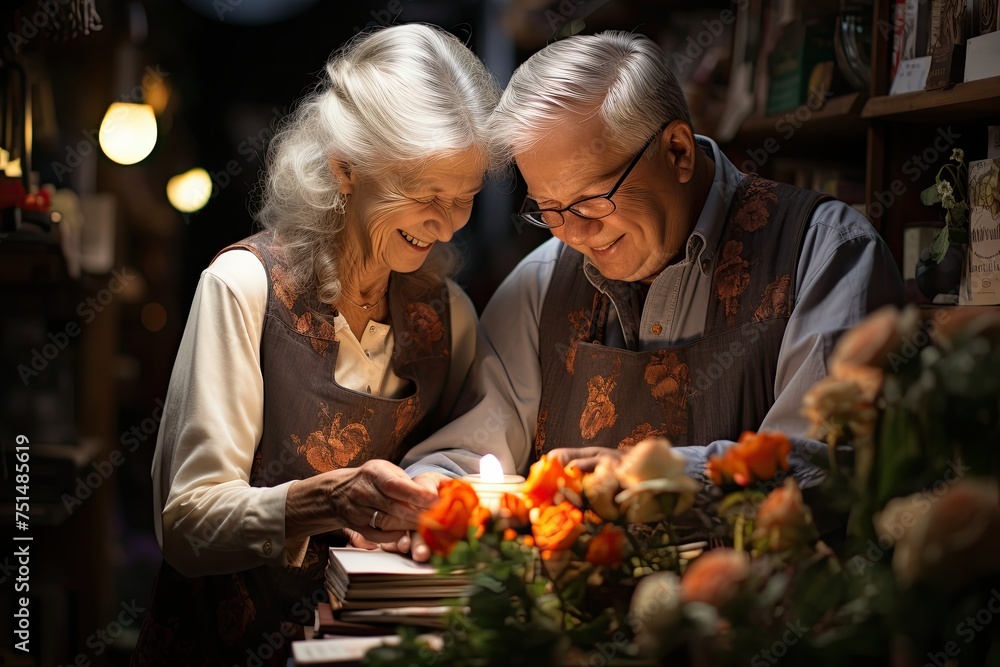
128,132
190,191
153,316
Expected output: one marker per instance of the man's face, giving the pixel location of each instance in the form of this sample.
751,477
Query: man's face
643,234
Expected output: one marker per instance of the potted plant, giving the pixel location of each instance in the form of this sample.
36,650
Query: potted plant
939,270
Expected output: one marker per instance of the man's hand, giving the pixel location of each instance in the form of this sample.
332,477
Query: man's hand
584,458
430,480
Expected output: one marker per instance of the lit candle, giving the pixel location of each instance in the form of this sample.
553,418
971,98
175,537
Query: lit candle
491,483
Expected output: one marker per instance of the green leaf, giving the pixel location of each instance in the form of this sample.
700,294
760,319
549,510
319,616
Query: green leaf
929,195
939,246
958,215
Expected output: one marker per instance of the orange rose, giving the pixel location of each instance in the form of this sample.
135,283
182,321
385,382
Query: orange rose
756,457
607,547
513,508
448,521
480,517
548,480
714,577
557,527
783,518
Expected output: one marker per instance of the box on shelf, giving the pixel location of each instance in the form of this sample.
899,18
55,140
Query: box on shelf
982,56
993,143
981,277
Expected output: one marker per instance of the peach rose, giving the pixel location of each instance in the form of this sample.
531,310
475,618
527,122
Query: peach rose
783,518
548,482
601,487
950,540
715,577
557,527
835,407
607,547
448,521
648,471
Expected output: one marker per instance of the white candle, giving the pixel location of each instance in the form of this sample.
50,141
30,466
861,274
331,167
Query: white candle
491,483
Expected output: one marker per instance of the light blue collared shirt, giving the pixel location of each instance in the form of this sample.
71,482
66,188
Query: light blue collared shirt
844,272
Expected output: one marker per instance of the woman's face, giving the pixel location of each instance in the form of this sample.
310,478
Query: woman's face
406,217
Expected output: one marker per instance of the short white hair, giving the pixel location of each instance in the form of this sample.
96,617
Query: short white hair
390,101
621,77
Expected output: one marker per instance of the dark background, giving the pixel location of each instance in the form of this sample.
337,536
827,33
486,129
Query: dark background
231,69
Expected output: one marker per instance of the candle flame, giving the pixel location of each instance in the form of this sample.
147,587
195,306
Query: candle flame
490,470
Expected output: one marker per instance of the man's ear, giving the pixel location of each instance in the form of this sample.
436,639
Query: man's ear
343,173
679,148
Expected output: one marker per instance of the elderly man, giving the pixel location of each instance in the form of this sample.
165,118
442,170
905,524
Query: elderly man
679,296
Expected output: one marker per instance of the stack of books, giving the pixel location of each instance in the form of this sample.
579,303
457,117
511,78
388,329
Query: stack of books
382,589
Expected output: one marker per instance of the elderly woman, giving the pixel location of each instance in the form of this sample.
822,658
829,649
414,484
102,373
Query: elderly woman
318,350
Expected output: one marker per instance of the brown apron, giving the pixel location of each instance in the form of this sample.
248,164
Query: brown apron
311,425
693,394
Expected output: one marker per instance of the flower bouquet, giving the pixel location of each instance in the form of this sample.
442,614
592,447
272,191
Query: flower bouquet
587,568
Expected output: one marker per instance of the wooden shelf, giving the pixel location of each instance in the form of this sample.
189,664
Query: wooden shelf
974,99
840,117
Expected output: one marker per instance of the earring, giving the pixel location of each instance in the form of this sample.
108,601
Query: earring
341,206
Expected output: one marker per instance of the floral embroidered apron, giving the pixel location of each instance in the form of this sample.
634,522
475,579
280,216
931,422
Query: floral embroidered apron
713,388
311,425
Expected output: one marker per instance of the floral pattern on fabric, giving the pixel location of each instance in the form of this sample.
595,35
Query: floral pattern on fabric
423,329
732,276
407,414
579,326
774,303
283,285
640,433
668,377
320,331
157,640
332,446
235,613
540,433
600,412
760,202
669,381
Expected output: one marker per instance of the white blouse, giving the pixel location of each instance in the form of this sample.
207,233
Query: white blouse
208,518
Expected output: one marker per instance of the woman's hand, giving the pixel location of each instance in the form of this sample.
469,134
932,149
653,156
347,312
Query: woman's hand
350,497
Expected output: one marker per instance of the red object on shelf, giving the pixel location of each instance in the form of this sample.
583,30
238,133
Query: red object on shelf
11,192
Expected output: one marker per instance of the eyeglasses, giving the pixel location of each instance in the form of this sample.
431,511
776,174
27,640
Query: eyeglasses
591,208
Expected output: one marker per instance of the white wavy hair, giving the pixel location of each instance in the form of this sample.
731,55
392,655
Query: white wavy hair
622,77
391,101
